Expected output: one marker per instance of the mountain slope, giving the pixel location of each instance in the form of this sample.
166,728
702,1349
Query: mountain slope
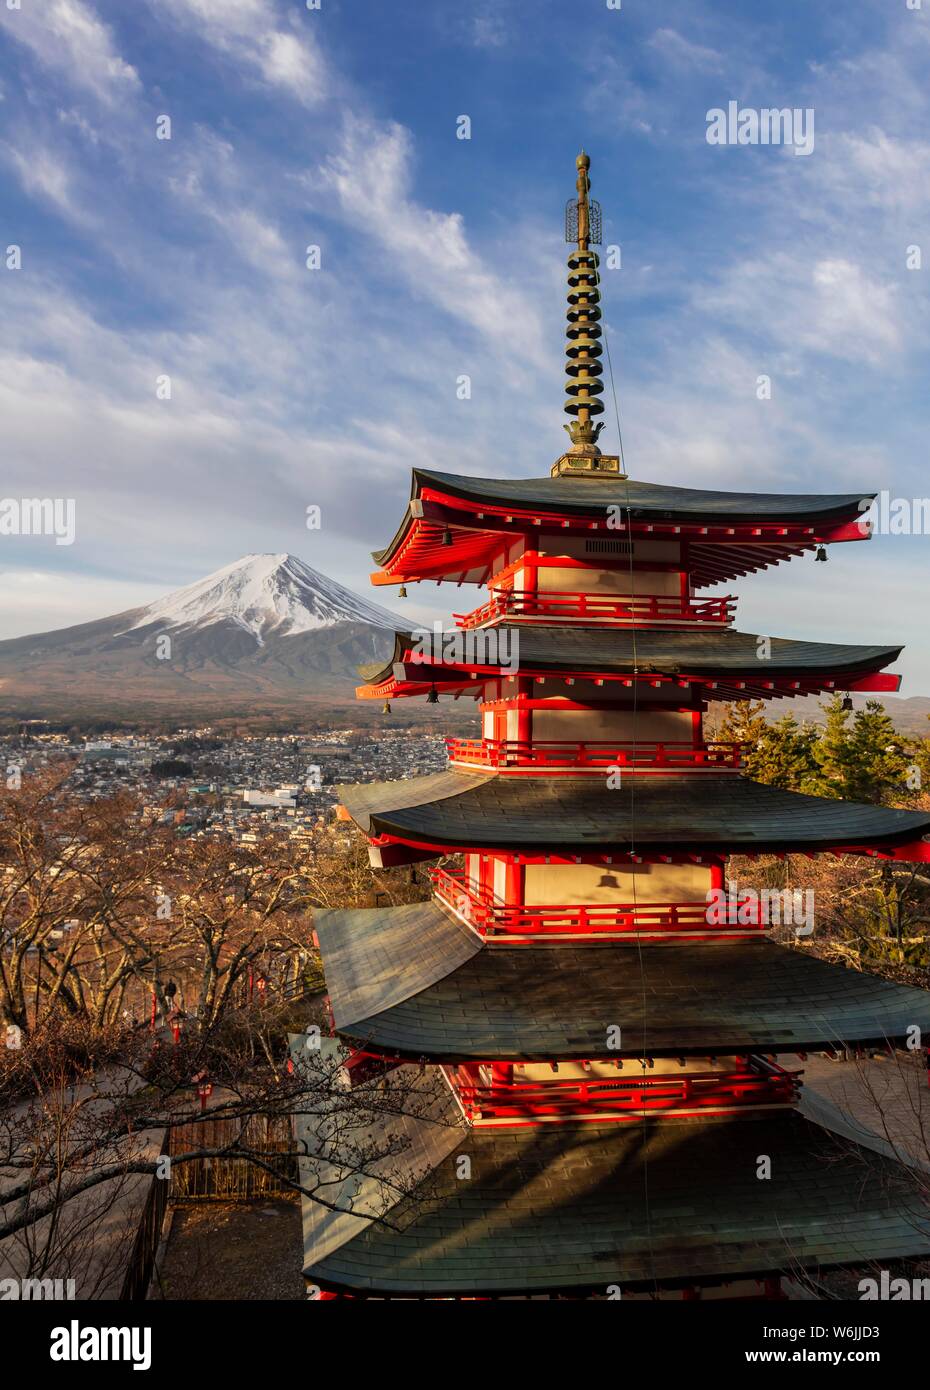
266,628
264,594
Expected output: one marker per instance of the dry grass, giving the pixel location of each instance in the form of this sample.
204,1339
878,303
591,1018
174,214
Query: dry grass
240,1251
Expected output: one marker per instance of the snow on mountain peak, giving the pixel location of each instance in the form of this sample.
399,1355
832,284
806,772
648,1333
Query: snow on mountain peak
266,595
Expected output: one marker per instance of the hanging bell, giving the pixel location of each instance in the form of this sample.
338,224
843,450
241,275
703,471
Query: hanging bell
386,707
821,555
847,702
446,536
432,696
402,591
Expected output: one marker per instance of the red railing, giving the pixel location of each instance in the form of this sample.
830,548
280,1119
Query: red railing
622,609
511,753
762,1084
478,907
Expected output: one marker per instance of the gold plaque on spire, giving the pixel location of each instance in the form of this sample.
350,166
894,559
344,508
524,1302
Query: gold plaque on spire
587,465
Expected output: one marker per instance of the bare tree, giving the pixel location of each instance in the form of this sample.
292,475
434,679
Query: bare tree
74,1135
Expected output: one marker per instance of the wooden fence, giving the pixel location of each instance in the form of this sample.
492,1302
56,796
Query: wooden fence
234,1179
144,1247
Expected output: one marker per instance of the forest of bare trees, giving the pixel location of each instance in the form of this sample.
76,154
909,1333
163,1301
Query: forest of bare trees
148,987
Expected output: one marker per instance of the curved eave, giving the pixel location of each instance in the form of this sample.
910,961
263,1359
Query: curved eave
565,1209
455,527
454,812
795,668
414,982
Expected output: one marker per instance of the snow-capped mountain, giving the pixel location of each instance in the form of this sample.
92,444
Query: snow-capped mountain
265,631
264,595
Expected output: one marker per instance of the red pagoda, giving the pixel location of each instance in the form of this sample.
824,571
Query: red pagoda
618,1062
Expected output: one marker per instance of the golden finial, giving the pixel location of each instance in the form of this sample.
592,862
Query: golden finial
583,185
583,349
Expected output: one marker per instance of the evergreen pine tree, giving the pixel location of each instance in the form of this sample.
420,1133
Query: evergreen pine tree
832,752
785,756
877,756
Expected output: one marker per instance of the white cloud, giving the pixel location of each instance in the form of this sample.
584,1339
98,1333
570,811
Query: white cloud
822,306
34,600
680,52
248,32
43,173
68,37
487,30
371,177
290,62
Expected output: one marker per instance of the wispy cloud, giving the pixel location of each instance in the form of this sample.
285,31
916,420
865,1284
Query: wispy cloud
371,176
253,35
69,38
682,53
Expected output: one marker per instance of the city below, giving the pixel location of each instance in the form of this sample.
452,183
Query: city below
237,787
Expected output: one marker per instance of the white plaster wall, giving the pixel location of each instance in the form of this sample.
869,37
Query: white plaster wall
581,883
599,726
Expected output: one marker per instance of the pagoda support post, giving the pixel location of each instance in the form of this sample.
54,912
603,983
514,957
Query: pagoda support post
524,713
502,1073
514,879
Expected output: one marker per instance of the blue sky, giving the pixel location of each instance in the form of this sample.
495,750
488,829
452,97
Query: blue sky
337,127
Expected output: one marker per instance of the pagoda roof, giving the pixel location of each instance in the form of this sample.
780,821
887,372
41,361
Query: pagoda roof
755,529
593,492
565,816
415,982
578,1208
721,655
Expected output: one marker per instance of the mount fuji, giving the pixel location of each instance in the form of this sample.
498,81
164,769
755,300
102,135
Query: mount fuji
265,595
267,630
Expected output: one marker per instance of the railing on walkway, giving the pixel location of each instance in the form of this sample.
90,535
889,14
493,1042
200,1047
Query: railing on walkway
618,609
696,1090
479,908
543,755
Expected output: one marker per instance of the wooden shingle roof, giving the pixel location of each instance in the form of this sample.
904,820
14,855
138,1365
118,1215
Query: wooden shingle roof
659,813
569,1209
416,982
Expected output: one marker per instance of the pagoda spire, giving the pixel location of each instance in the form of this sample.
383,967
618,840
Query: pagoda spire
583,346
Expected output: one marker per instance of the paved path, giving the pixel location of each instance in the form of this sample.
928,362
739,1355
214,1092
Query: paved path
887,1098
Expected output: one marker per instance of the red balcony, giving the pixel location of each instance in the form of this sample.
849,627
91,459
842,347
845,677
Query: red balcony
758,1082
510,755
615,610
478,907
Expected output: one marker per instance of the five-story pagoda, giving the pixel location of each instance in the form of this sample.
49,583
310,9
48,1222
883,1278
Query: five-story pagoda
610,1044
